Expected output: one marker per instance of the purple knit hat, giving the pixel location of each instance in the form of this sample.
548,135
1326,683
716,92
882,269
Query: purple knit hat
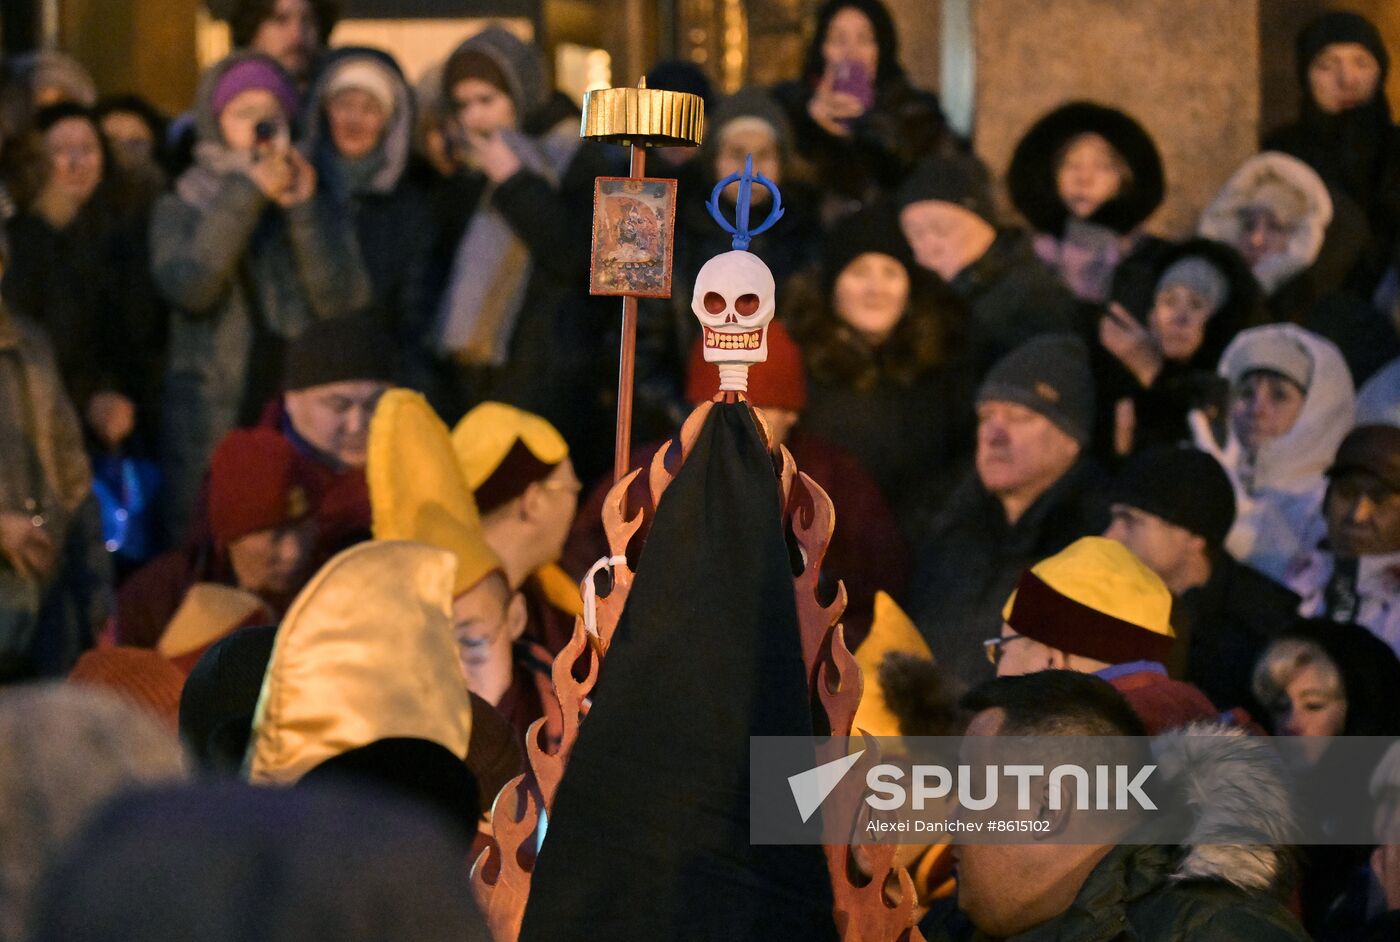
252,74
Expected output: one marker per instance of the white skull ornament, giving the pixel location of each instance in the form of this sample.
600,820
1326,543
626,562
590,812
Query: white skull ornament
734,301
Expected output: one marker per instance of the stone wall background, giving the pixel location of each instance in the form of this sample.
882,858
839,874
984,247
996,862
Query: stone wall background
1188,70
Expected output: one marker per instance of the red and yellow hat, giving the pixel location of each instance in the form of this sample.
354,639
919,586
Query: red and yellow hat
1097,600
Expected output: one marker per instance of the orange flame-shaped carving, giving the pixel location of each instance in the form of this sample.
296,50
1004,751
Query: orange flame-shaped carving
875,900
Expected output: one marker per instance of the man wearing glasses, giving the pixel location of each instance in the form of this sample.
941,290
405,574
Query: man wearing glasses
1096,609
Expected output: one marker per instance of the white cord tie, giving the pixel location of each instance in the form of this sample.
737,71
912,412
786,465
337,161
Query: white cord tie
590,591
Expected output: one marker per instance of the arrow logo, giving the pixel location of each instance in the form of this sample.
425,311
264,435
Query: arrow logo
811,788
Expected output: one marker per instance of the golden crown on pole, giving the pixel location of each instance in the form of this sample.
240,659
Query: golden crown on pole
650,117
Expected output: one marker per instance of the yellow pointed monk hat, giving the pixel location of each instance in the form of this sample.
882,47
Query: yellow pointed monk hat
891,631
365,653
416,490
485,436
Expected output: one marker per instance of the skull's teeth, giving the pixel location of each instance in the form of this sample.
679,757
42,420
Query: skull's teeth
746,341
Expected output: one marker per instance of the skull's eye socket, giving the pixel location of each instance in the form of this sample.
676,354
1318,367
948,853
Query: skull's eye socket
747,304
715,303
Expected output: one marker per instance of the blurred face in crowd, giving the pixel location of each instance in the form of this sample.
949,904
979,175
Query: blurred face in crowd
737,141
529,531
1090,173
1264,405
1177,322
357,121
851,36
1018,655
1363,516
334,418
482,108
239,120
945,237
1009,889
1165,548
273,563
1263,235
291,35
1313,703
1020,453
75,159
1343,76
129,137
871,294
486,620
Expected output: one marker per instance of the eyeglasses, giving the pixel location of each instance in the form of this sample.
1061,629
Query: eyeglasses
993,647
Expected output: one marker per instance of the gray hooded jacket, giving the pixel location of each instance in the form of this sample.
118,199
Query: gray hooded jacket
225,265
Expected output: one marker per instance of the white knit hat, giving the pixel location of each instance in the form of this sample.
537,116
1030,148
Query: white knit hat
367,75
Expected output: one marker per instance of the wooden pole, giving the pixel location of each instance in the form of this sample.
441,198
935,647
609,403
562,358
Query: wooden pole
627,359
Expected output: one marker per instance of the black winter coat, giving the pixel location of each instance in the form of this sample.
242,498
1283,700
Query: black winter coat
396,236
90,287
1133,896
1011,297
552,366
1224,626
904,125
909,437
967,562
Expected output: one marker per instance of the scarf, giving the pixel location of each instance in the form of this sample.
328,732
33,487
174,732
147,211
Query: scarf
491,270
199,186
269,276
1085,258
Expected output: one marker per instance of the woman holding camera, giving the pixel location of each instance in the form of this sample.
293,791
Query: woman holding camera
248,251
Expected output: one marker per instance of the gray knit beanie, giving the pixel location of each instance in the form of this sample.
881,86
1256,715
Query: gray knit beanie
1050,375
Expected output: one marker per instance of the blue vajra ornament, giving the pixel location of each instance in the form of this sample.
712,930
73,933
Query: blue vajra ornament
739,229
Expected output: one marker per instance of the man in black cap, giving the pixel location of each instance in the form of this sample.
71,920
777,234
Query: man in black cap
333,375
1172,506
1354,574
1032,493
946,212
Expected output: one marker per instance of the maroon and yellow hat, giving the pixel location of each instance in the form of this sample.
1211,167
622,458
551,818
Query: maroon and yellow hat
1094,599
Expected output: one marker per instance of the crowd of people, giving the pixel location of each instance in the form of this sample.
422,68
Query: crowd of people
258,358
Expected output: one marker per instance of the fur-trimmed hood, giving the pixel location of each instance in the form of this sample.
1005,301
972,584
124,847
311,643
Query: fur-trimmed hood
1031,178
1293,191
1245,816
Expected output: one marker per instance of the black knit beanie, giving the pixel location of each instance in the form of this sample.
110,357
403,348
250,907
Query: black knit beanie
338,350
1184,486
961,180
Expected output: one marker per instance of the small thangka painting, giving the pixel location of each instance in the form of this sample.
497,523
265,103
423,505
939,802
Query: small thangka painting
634,226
